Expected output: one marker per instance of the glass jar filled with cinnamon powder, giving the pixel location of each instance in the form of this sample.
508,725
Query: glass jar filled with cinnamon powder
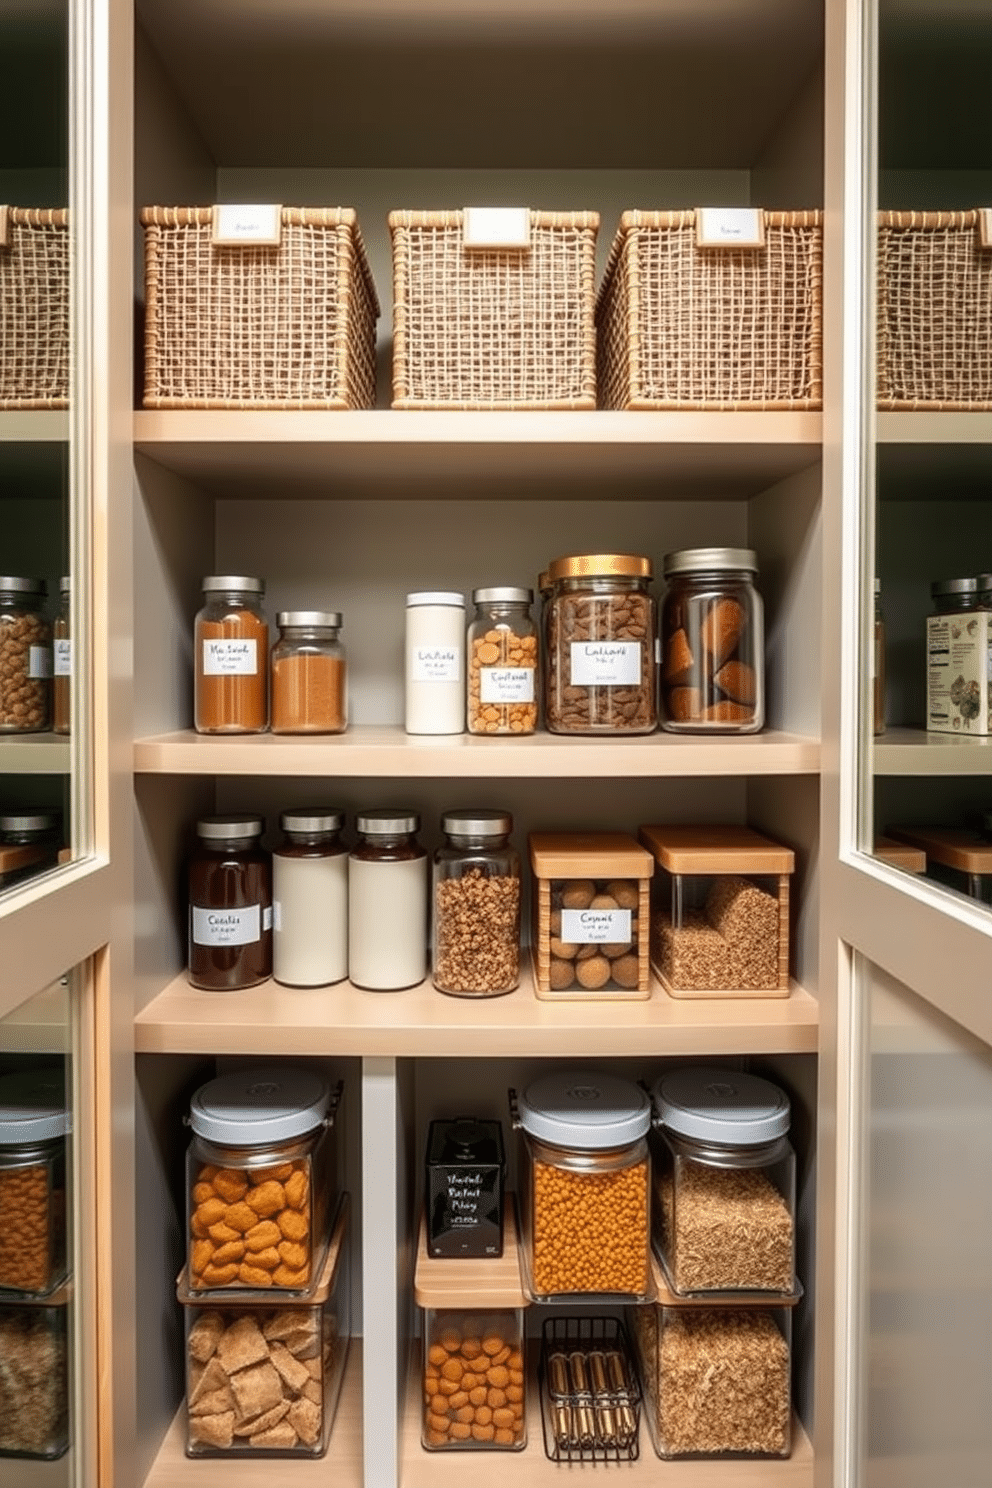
231,647
309,676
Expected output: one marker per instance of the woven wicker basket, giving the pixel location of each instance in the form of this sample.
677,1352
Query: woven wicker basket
249,326
34,308
494,328
934,311
719,328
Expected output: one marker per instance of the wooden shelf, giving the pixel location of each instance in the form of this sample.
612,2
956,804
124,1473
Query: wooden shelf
902,751
33,426
342,1465
345,1020
934,456
464,456
928,428
384,751
472,1283
35,754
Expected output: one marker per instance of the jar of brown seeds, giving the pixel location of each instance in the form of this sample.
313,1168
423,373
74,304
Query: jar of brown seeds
476,905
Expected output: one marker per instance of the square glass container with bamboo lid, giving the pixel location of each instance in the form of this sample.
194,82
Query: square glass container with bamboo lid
720,911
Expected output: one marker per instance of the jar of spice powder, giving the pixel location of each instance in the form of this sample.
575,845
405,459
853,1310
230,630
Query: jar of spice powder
309,677
231,657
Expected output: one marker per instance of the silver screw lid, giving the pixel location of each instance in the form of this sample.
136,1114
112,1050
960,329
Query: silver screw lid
585,1109
473,821
503,596
329,619
29,821
721,1105
387,821
710,560
259,1106
232,583
10,585
227,828
312,819
953,586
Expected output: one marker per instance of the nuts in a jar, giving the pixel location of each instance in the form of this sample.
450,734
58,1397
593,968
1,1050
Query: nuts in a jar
590,1230
502,673
251,1227
600,634
474,1383
25,672
477,933
26,1219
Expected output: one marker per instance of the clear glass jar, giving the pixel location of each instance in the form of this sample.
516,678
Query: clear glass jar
310,899
878,665
262,1179
309,674
30,842
724,1187
230,905
476,944
502,663
34,1122
954,596
388,874
231,651
25,657
485,1354
34,1338
712,643
600,643
62,660
584,1186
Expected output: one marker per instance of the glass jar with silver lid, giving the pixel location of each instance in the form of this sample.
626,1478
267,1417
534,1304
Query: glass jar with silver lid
502,663
25,657
309,683
712,643
476,938
30,842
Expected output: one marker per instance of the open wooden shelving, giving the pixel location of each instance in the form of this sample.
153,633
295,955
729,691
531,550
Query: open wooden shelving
35,754
904,751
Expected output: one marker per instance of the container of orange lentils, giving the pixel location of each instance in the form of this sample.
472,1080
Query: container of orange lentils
584,1186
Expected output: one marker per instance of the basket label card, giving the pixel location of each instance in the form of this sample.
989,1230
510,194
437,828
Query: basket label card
984,226
4,226
730,227
252,224
496,227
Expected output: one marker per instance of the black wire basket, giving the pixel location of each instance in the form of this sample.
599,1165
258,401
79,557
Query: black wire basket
590,1398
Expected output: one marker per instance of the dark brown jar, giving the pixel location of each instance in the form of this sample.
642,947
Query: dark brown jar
230,905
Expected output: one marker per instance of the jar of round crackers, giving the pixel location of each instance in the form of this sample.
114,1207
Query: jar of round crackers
600,624
712,643
261,1180
502,663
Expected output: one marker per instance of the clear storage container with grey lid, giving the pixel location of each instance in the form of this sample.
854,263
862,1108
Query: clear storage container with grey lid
583,1185
262,1179
34,1123
712,643
724,1184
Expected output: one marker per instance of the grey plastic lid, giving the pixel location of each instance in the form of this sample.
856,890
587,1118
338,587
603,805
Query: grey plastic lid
65,585
33,1108
387,821
436,597
503,596
708,560
720,1105
327,618
256,1107
29,821
480,821
953,586
224,828
23,586
312,819
226,583
584,1109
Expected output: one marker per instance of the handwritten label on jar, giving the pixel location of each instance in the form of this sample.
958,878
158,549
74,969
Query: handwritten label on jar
436,664
506,684
227,927
63,658
595,926
230,658
464,1196
39,661
605,663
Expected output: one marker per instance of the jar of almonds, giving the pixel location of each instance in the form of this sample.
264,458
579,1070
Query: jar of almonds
25,657
502,663
712,639
600,645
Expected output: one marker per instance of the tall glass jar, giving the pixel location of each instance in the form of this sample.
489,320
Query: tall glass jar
310,899
600,644
29,843
712,643
25,657
502,663
231,649
476,905
34,1122
878,664
387,902
230,905
309,675
62,660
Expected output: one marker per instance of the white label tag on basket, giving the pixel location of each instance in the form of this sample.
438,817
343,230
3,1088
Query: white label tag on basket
984,226
4,226
730,227
255,225
496,227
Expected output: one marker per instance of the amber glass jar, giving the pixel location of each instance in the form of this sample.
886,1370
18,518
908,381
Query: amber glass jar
230,905
712,643
600,646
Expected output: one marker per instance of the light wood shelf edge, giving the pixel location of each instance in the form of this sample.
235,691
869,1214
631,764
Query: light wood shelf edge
470,1282
35,754
34,426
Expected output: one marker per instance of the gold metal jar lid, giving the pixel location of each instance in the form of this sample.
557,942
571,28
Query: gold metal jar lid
600,566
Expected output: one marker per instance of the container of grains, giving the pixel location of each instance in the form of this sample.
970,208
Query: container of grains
62,660
231,650
25,657
600,642
34,1377
590,908
34,1123
309,677
482,1355
583,1186
476,905
720,911
724,1183
230,905
262,1179
263,1379
502,663
30,842
712,643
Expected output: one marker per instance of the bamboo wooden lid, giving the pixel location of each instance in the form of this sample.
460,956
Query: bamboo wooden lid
955,847
900,855
716,849
588,855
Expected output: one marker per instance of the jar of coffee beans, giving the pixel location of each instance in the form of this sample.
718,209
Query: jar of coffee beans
600,646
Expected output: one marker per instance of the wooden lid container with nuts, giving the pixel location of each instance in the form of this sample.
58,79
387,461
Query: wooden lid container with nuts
591,908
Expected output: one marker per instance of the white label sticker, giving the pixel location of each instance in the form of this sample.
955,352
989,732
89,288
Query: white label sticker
230,658
595,926
605,664
506,684
63,658
496,227
267,917
985,226
4,226
730,227
226,927
277,915
436,664
252,224
39,661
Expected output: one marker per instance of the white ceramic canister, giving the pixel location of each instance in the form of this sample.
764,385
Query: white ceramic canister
310,899
435,663
387,902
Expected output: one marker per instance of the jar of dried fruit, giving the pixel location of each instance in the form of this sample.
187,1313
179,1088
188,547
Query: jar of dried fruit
34,1121
476,905
502,663
600,645
712,639
25,657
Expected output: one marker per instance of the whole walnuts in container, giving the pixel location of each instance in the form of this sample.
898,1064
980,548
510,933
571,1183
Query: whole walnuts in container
712,643
25,657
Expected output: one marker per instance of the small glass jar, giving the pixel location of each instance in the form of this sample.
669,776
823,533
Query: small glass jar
584,1186
435,663
502,663
30,842
712,643
34,1350
310,899
484,1352
309,674
231,648
230,905
954,596
34,1123
724,1191
878,665
476,905
62,660
261,1179
25,657
600,644
387,902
